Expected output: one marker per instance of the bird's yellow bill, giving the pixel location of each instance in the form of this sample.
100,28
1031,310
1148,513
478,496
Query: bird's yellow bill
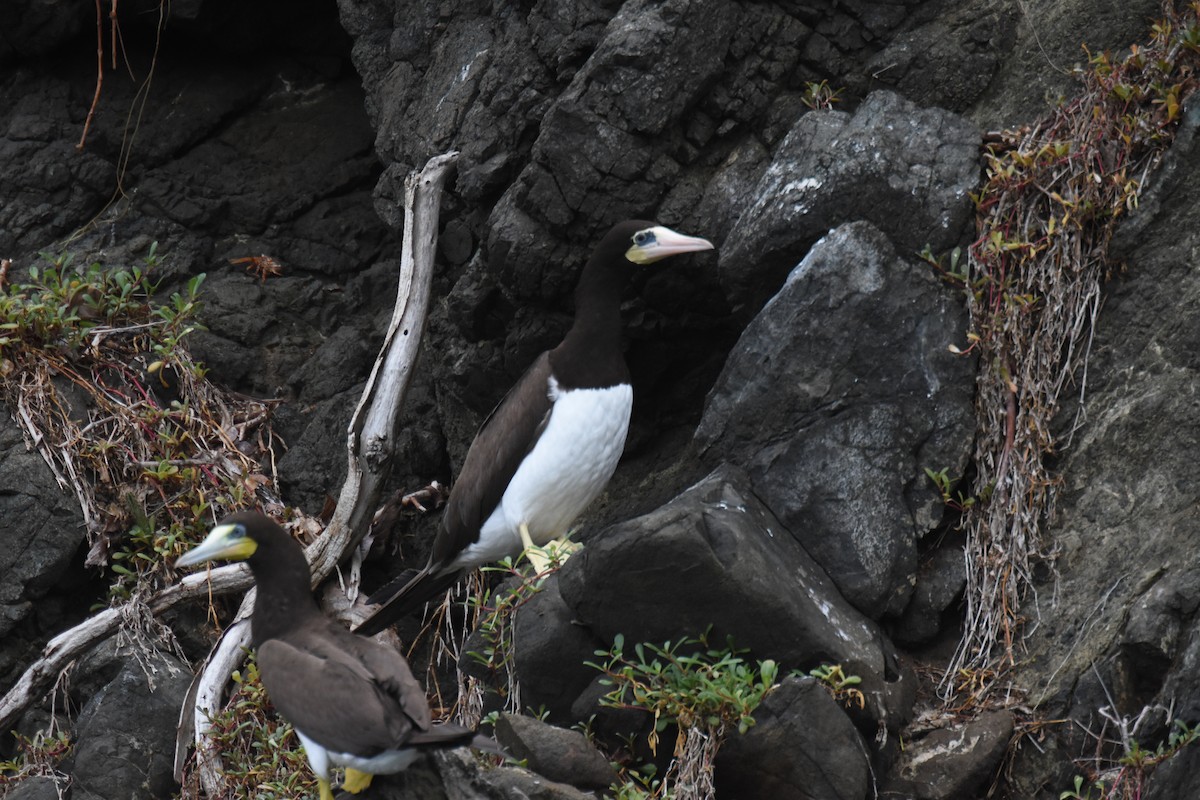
224,542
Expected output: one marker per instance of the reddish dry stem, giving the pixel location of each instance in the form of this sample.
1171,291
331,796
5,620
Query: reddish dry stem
87,123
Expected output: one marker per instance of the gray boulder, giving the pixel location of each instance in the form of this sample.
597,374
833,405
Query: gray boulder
802,747
41,531
458,775
952,763
1129,479
907,170
559,754
126,734
550,652
836,398
715,556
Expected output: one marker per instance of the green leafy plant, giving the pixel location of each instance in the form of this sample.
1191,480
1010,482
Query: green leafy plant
703,690
1082,792
37,755
947,487
840,685
818,95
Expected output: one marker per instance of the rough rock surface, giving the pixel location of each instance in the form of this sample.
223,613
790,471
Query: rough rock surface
715,556
263,131
802,747
907,170
34,555
953,762
457,775
126,733
858,410
740,573
1118,628
559,754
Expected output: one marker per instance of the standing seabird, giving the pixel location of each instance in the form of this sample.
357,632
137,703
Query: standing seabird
352,701
552,443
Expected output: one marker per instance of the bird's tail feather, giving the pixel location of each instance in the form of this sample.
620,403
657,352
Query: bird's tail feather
415,589
448,734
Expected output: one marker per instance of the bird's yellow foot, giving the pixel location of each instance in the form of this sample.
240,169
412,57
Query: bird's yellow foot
323,786
356,781
554,554
560,550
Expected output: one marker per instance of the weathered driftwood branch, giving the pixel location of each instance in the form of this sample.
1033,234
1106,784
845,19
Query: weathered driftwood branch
63,649
370,445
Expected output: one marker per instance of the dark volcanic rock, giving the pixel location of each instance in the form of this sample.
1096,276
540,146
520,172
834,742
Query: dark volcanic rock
126,734
466,780
1128,580
35,788
41,532
940,579
550,652
849,370
34,28
1177,777
557,753
905,169
952,763
715,556
457,775
802,747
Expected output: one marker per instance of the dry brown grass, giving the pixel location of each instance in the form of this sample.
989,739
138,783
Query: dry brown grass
1052,197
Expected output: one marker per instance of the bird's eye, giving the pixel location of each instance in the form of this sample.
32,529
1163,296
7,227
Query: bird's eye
643,238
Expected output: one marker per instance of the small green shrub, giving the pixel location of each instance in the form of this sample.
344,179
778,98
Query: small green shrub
37,756
705,691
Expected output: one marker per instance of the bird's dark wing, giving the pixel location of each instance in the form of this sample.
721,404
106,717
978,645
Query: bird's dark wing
503,440
334,700
390,671
352,694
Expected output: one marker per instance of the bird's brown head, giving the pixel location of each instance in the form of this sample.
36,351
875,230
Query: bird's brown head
237,537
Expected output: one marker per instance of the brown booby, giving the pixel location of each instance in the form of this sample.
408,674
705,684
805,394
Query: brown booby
552,443
352,701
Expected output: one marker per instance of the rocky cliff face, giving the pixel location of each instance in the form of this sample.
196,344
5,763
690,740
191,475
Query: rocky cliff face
791,390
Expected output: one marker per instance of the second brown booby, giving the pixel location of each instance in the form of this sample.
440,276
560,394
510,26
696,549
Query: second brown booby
552,443
352,701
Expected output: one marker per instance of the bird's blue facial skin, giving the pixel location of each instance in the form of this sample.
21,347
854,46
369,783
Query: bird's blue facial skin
644,238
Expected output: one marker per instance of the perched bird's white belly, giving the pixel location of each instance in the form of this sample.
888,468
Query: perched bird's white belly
570,464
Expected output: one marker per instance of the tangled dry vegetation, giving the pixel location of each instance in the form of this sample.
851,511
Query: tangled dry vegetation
1052,197
98,379
97,376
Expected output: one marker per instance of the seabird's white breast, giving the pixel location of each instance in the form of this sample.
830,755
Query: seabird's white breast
570,464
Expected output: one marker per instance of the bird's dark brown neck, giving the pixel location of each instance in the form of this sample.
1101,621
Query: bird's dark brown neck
590,354
290,602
